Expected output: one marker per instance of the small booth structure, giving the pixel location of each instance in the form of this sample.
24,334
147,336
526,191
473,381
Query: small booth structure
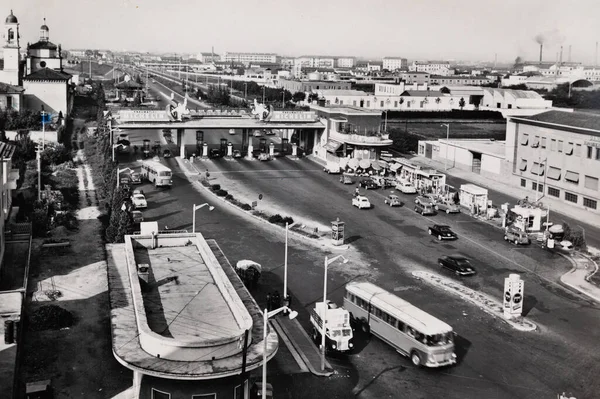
422,178
528,217
474,198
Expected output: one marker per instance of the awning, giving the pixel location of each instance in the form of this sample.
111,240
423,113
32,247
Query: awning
524,139
538,169
375,165
353,163
572,177
332,145
364,163
383,164
553,173
344,162
535,142
395,167
523,164
569,149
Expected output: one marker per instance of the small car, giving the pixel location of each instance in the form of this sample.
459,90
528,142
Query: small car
269,132
442,232
393,200
460,265
516,236
405,187
215,153
361,202
236,154
447,206
425,209
368,184
138,217
167,153
346,179
421,199
257,133
263,156
137,191
139,201
382,182
332,167
135,178
123,136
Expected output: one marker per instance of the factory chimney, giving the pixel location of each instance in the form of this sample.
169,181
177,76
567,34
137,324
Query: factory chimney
569,53
560,59
596,60
541,50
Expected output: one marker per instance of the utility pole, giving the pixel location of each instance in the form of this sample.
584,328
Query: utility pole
38,148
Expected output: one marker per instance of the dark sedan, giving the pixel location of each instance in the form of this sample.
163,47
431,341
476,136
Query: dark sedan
442,232
368,184
460,265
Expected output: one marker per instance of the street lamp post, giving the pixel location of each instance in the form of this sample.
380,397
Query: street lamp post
447,138
43,113
245,90
263,95
540,170
324,319
385,122
266,316
194,209
283,100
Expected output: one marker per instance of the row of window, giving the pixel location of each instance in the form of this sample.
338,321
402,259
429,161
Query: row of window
539,169
568,196
156,394
559,146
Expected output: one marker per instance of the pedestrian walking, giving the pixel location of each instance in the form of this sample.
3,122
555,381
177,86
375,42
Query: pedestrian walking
269,302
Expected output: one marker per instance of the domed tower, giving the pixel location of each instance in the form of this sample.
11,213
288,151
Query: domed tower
44,32
11,47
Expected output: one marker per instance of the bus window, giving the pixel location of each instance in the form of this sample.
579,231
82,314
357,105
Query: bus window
378,313
401,326
439,339
164,174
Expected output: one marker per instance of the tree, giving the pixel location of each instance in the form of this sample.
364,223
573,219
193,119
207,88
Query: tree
299,96
89,53
445,90
313,97
461,103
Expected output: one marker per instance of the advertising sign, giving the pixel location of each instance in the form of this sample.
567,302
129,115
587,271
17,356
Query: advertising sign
513,296
337,232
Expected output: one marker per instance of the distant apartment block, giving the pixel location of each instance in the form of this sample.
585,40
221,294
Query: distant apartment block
345,62
311,86
395,63
432,67
207,58
416,77
77,53
249,58
315,61
458,80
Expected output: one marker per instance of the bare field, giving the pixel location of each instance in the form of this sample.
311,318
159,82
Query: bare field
434,130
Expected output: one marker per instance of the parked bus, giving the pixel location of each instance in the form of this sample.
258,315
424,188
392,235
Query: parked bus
157,173
425,339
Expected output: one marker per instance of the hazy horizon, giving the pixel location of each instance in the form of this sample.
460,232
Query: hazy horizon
468,30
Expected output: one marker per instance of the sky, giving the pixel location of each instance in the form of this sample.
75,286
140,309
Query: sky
472,30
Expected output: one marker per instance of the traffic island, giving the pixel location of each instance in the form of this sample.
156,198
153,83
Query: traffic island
486,303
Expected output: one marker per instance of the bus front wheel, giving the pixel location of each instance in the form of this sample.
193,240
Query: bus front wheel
364,326
415,358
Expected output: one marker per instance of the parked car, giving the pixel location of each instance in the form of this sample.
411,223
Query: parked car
269,132
123,136
215,153
425,209
382,182
139,201
368,184
137,191
460,265
405,187
393,200
236,154
361,202
346,179
442,232
332,167
167,153
516,236
421,199
263,156
138,217
257,133
447,206
135,178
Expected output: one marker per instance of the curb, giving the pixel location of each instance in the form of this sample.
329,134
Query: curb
302,355
296,354
523,325
573,287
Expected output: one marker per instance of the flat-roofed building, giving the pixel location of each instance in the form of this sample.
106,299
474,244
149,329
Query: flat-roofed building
311,85
249,58
179,316
458,80
557,154
345,62
432,67
395,63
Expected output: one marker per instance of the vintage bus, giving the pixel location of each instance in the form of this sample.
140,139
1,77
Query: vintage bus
157,173
426,340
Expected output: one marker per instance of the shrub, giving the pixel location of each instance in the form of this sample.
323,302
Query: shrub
66,219
229,197
215,187
246,207
275,219
221,193
287,220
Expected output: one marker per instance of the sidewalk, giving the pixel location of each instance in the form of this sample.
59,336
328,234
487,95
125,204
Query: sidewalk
578,278
517,192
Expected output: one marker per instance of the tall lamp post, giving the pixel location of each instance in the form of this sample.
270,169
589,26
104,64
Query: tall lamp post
447,138
263,94
385,122
324,319
266,316
194,209
540,170
245,90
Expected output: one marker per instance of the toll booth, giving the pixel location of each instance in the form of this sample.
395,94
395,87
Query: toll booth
199,141
223,147
146,148
262,145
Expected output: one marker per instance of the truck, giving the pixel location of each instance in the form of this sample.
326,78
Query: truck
332,167
338,332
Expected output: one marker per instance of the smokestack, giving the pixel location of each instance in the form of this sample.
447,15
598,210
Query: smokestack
495,60
560,59
541,50
569,53
596,60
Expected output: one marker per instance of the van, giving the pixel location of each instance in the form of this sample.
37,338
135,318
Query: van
332,167
425,208
516,236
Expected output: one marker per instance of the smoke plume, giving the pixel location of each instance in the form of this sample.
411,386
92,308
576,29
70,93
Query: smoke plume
551,37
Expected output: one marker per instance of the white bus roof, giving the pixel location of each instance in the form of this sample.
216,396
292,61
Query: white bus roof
156,165
398,308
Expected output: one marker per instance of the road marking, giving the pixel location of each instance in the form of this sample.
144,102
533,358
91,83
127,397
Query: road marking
264,170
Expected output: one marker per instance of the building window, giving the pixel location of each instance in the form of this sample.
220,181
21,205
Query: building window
368,104
543,142
554,192
354,103
540,188
591,183
209,395
590,203
589,152
524,139
395,104
598,153
156,394
577,150
570,197
523,183
553,145
560,146
533,185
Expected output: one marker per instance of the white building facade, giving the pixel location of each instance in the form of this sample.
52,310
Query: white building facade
248,58
10,73
395,63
